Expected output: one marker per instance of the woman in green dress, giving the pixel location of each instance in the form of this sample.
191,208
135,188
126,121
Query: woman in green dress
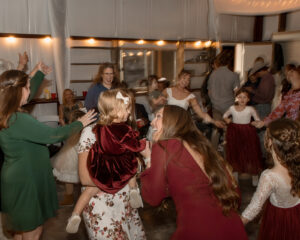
28,189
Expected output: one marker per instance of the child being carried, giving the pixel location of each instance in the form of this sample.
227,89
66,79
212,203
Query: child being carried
112,162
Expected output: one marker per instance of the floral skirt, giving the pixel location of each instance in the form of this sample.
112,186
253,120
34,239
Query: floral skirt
280,223
110,217
243,148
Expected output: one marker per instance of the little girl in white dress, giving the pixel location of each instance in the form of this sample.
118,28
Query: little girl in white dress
280,185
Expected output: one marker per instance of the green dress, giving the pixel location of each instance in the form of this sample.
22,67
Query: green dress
28,189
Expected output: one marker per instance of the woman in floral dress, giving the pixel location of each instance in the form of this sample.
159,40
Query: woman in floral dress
107,216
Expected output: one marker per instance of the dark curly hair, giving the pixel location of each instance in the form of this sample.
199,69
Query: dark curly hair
285,139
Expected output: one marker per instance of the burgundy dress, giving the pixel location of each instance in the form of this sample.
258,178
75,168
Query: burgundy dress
199,216
112,158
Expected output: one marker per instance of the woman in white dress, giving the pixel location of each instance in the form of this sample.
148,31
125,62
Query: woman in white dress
107,216
180,96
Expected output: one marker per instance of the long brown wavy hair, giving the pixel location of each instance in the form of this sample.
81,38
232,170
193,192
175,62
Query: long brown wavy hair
285,137
177,123
102,67
11,84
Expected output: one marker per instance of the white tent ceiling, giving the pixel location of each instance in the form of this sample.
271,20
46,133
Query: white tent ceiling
256,7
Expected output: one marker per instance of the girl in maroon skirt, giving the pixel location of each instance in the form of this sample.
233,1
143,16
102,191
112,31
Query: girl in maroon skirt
280,185
242,143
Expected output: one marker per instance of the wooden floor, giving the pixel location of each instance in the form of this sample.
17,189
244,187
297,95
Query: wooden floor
159,223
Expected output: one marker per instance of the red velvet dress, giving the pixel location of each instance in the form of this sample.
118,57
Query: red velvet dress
112,158
199,216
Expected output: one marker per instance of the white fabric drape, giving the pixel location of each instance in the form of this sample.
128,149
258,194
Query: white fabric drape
256,7
147,19
61,51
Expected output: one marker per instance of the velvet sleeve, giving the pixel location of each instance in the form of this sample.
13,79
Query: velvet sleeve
153,180
131,142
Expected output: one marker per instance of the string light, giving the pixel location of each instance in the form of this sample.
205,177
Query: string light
140,42
160,43
47,39
140,54
130,54
11,39
91,41
148,53
198,44
207,44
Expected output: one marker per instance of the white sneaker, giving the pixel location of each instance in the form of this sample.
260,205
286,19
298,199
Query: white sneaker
135,199
73,223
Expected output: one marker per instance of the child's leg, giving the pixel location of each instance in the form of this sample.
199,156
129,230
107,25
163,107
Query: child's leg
84,199
135,199
132,183
74,220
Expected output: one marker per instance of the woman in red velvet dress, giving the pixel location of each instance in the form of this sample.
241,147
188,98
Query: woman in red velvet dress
185,166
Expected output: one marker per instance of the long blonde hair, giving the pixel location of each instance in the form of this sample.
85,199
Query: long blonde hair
177,123
109,105
64,96
11,84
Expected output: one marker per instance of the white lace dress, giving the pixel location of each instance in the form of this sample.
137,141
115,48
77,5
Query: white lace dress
272,185
109,216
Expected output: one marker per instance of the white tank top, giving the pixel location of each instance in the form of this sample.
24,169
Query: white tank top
184,103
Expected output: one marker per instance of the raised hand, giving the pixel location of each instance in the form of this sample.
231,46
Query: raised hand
23,60
88,118
44,68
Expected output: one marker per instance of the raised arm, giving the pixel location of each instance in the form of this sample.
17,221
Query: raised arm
34,131
23,60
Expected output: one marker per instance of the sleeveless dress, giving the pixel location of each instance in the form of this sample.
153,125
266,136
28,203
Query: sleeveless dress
109,216
281,214
243,150
174,173
184,103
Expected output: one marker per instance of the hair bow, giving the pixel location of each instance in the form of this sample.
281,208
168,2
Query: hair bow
120,96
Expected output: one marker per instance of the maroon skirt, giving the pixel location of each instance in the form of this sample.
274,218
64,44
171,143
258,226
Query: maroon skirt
243,148
280,223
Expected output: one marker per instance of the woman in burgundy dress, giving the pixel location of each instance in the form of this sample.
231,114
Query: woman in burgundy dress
185,166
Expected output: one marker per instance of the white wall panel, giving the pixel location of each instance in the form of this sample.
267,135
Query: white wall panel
293,21
79,55
92,18
24,16
270,25
291,52
133,19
